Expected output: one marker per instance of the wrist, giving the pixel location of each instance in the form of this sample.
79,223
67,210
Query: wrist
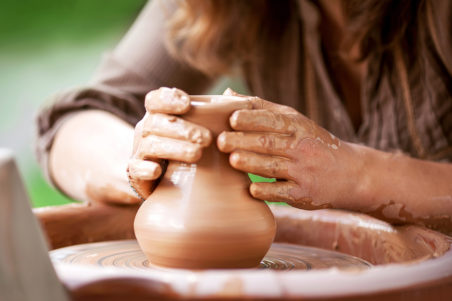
361,177
376,173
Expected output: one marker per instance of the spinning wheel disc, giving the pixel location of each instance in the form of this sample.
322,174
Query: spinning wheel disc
127,254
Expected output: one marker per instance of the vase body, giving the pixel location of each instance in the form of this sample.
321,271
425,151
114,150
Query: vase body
201,215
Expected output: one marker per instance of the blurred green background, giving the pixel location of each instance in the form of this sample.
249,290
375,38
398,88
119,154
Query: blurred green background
46,46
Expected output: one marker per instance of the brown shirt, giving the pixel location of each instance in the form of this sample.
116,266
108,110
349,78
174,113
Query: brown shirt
408,109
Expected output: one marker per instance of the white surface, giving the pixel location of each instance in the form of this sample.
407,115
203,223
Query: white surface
26,272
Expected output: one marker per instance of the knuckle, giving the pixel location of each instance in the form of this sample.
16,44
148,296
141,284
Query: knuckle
197,135
273,166
307,147
230,141
148,147
239,118
285,191
308,187
267,142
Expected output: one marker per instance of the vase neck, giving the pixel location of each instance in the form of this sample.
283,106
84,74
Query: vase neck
212,170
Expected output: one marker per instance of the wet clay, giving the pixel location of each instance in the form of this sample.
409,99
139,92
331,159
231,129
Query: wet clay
413,263
201,215
359,235
394,212
81,223
316,170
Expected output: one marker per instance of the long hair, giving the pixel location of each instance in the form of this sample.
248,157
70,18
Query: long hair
379,26
215,35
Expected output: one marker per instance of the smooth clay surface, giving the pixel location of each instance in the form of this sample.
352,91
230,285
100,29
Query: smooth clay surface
127,255
201,215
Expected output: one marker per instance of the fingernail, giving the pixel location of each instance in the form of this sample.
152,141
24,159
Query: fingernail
167,100
221,142
234,159
144,170
233,120
178,98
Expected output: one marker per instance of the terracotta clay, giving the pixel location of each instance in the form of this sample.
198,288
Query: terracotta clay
201,215
412,263
81,223
127,255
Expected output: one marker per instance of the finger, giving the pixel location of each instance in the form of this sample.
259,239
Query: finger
272,144
230,92
141,175
273,192
144,170
167,148
167,100
177,128
138,133
286,191
262,104
142,188
262,165
262,121
113,194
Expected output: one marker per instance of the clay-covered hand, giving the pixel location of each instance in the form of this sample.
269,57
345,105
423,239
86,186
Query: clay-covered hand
162,135
313,168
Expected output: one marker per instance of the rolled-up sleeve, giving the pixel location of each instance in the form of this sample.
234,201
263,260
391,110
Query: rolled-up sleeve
138,64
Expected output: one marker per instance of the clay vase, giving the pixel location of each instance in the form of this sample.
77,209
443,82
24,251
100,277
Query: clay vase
201,215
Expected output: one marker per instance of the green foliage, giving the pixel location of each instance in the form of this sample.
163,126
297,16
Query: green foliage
30,31
32,23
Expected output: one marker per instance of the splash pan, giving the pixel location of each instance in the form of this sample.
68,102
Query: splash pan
376,261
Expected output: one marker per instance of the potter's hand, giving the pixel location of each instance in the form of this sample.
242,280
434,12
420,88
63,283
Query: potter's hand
161,135
311,165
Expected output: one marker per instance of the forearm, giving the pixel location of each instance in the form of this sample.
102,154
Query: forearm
399,188
89,156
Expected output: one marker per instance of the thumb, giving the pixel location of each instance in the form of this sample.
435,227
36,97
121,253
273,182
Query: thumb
113,191
168,101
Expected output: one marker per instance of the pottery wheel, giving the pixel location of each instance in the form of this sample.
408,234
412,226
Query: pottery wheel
281,256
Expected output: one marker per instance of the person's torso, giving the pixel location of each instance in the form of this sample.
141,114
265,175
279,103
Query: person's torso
407,107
